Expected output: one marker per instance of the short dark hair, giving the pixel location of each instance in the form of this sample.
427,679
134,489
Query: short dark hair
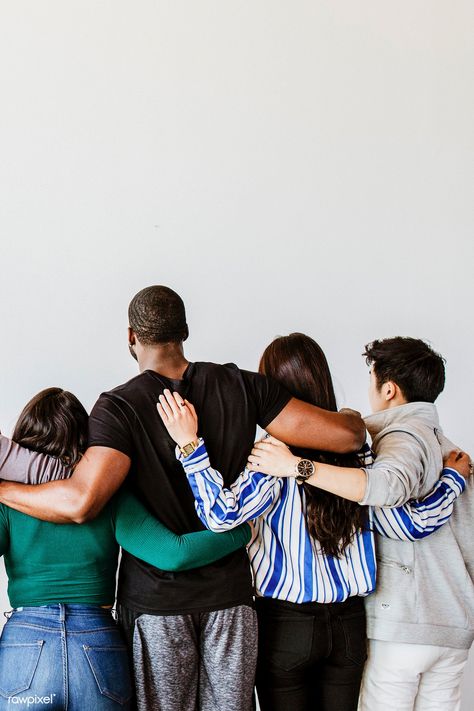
54,422
157,315
410,363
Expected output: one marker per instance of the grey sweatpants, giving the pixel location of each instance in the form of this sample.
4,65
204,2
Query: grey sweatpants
202,661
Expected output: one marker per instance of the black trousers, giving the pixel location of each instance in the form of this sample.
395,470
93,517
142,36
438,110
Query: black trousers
311,655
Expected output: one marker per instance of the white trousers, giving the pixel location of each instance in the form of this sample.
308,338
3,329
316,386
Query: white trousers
412,677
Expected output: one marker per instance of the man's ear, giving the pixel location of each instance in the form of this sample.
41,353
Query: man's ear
390,390
132,342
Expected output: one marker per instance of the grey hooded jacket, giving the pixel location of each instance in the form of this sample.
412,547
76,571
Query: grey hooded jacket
425,589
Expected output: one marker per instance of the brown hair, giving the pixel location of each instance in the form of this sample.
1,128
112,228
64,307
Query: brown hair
53,422
299,364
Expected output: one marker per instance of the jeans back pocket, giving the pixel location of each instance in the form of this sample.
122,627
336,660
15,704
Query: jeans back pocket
355,637
110,667
18,664
285,640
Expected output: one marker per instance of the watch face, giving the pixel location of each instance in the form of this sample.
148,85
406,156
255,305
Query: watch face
305,469
188,449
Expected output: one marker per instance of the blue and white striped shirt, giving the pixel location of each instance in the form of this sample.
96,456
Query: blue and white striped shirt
287,562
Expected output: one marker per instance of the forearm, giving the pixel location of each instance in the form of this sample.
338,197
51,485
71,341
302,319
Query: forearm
303,425
395,476
141,534
347,482
78,499
204,547
419,518
222,508
56,501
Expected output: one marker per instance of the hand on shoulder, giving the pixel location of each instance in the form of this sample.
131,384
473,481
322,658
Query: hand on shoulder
460,461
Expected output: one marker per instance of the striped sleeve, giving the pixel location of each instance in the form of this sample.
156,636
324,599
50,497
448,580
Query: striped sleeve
219,508
419,517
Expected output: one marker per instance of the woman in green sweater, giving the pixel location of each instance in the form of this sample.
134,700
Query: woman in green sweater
61,647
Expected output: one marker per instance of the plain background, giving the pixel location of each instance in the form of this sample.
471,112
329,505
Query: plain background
283,165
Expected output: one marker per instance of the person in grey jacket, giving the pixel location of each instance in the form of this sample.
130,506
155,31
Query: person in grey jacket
421,616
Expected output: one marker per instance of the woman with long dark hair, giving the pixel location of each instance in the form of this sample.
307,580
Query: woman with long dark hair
61,645
312,554
299,363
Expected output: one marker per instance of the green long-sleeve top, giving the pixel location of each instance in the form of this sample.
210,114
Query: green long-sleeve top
48,563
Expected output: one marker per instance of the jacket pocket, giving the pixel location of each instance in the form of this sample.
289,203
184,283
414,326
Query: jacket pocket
110,668
395,592
18,663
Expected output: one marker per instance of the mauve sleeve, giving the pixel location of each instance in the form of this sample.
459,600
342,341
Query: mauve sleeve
27,467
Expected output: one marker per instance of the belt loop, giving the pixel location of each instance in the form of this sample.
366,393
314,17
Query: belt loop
62,612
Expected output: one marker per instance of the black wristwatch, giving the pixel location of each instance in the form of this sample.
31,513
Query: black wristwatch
304,469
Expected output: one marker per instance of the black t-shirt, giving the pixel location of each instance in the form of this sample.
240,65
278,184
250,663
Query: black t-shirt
230,403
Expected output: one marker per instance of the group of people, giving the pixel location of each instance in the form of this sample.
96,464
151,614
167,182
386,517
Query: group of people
326,573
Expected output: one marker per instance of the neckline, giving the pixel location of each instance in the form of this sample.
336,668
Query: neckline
186,375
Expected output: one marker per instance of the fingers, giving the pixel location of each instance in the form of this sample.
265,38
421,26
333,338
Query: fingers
172,404
460,461
463,459
264,446
178,400
452,456
253,461
270,442
168,408
174,400
162,413
191,408
275,441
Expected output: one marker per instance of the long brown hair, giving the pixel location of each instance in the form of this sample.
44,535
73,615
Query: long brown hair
299,364
53,422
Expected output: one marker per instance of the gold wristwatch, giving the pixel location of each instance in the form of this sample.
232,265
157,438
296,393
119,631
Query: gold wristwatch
189,448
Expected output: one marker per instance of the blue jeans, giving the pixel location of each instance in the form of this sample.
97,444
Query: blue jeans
58,657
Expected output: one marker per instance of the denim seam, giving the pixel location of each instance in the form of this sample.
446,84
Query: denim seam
64,659
347,643
28,625
55,630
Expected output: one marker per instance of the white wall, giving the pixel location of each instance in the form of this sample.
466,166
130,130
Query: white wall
284,166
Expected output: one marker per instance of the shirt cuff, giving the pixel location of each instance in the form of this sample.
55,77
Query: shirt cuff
195,456
363,501
453,474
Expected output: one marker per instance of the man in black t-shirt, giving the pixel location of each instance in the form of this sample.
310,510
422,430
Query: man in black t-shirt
193,632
